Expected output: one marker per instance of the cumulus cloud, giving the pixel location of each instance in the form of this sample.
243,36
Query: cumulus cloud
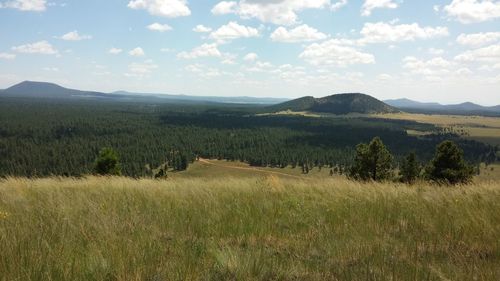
159,27
490,54
337,5
302,33
233,30
140,70
137,52
7,56
471,11
26,5
335,52
433,67
41,47
251,57
165,8
478,39
370,5
381,32
74,36
202,29
282,12
205,50
115,51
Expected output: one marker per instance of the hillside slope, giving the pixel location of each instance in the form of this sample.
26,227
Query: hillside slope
336,104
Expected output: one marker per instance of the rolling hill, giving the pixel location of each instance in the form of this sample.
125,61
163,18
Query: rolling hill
336,104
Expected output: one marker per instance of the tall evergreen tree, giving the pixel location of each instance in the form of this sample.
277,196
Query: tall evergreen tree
372,162
448,165
107,163
410,169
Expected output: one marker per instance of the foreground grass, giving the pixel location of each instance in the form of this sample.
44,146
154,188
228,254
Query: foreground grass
265,228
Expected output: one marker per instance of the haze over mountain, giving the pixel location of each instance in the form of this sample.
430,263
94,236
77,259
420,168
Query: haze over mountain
466,107
32,89
336,104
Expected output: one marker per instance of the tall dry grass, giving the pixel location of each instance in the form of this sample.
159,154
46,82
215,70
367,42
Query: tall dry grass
265,228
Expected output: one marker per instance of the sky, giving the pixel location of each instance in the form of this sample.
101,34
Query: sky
444,51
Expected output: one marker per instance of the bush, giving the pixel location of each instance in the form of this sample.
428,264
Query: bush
107,163
373,162
448,165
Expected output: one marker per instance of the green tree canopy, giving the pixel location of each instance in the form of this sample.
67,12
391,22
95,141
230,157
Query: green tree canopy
410,169
448,165
107,163
372,162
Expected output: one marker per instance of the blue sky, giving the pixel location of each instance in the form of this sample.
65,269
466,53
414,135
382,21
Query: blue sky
444,50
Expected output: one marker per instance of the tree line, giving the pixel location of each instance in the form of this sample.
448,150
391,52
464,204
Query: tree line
41,138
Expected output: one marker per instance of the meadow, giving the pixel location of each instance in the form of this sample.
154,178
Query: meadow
265,227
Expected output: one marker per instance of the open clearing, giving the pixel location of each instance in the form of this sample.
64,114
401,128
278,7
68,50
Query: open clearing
260,228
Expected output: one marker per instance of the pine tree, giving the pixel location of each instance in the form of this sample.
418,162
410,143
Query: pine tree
448,165
372,162
107,163
410,169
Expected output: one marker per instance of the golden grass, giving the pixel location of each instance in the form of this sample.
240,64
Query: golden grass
260,228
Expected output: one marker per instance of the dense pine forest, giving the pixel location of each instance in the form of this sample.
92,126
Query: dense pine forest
57,137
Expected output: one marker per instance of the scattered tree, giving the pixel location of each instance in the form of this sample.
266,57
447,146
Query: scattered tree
107,163
373,162
448,165
410,169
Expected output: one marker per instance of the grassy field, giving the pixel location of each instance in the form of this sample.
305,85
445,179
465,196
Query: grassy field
480,128
246,228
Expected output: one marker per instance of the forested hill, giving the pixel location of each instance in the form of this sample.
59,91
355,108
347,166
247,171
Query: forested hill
336,104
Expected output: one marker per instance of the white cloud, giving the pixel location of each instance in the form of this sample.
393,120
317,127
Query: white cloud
283,12
435,52
205,50
337,5
370,5
115,51
433,67
142,68
335,52
26,5
490,54
7,56
41,47
203,70
224,8
251,57
233,30
478,39
74,36
471,11
137,52
159,27
202,29
165,8
381,32
302,33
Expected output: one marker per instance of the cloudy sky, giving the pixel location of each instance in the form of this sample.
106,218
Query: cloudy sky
433,50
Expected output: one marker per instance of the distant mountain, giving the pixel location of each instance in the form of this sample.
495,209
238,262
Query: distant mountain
336,104
462,108
236,99
31,89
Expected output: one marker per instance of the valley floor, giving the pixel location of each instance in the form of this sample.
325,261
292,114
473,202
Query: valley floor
265,227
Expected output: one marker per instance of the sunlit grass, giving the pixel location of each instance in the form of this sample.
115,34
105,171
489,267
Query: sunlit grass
260,228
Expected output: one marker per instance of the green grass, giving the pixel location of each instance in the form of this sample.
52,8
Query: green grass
260,228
